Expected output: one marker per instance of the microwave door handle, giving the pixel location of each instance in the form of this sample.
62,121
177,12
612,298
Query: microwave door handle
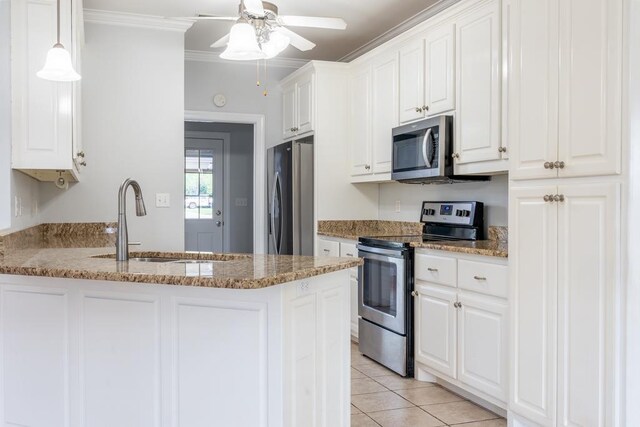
425,141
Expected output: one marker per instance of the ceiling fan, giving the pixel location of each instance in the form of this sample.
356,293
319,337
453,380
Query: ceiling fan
260,33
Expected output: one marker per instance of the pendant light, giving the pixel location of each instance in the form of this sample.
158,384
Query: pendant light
58,66
243,44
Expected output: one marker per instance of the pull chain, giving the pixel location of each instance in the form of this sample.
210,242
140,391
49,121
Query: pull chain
264,93
258,72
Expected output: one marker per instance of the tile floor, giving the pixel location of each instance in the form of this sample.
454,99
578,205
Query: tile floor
380,397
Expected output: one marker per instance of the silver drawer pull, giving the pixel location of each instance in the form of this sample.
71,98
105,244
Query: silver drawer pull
351,255
326,250
479,278
433,270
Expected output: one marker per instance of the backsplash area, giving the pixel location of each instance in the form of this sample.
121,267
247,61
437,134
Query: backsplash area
494,194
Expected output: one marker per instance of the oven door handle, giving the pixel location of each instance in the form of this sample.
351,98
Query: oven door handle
379,251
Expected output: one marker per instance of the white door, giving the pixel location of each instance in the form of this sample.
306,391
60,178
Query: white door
204,194
590,87
304,105
482,343
435,328
589,219
533,229
385,111
412,81
439,71
478,85
288,111
532,86
360,121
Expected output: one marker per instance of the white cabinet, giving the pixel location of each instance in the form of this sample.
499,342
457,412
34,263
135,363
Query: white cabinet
329,248
564,116
351,251
478,147
373,112
297,106
45,114
427,74
563,278
461,322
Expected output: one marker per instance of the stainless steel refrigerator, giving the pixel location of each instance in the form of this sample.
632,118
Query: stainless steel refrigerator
290,198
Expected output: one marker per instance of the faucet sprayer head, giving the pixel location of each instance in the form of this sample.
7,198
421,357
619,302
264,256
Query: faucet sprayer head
141,210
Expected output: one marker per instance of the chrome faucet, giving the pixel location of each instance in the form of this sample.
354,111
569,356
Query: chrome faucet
122,239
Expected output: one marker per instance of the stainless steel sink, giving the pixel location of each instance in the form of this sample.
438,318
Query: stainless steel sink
154,259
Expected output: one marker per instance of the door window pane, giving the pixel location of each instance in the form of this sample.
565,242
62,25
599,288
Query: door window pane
381,291
198,184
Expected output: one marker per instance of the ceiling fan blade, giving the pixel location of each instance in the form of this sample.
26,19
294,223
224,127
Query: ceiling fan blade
312,21
254,7
211,17
297,40
221,42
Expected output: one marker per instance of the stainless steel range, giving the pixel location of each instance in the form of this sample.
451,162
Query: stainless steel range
385,306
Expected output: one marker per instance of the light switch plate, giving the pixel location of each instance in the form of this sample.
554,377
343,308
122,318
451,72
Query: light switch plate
163,200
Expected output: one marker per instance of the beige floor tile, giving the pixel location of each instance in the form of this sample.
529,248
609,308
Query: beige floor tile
366,385
355,374
381,401
374,369
355,410
396,382
500,422
361,420
405,417
429,396
459,412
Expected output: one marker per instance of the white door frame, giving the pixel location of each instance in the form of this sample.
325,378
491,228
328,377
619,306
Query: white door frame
259,164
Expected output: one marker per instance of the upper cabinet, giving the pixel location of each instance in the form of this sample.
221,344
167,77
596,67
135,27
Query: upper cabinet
478,146
297,106
564,87
373,112
427,75
45,114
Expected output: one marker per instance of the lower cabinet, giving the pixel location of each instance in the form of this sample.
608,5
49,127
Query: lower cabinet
461,327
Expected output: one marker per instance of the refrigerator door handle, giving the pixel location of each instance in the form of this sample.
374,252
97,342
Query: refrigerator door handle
272,214
279,192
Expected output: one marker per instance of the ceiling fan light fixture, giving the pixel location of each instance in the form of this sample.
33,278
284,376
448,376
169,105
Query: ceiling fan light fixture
243,44
276,44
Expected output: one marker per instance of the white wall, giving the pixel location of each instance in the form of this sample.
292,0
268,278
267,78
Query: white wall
237,81
133,126
238,219
494,194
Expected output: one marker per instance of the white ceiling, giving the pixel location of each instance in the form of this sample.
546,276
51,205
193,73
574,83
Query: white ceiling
366,20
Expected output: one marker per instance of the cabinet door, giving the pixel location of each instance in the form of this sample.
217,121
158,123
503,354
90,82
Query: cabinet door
590,87
328,248
288,111
350,250
478,85
533,227
412,81
532,86
439,71
435,328
384,111
588,257
482,344
304,104
360,121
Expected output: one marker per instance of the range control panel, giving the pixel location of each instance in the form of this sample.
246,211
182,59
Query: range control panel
457,213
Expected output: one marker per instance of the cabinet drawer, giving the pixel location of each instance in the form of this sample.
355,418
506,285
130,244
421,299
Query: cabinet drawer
328,248
486,278
436,269
350,250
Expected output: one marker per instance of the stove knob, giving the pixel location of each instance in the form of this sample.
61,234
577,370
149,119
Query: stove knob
459,212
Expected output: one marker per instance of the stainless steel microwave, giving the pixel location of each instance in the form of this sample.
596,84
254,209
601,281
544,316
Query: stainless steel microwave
422,150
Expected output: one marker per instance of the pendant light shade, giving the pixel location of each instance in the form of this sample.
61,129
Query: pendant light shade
243,44
276,44
58,66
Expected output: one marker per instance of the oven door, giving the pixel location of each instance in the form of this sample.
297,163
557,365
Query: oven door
382,288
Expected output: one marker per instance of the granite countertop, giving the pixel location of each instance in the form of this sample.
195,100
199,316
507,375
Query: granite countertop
495,246
63,256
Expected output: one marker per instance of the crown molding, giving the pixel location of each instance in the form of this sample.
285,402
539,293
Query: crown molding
135,20
204,56
399,29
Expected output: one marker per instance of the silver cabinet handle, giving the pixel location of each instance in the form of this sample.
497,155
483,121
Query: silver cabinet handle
326,251
218,212
414,293
80,154
351,255
558,198
433,270
549,165
219,223
455,304
455,156
558,165
83,163
502,149
135,243
367,167
418,110
425,108
479,278
547,198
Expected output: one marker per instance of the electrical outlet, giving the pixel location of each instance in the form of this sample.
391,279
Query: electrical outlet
163,200
397,205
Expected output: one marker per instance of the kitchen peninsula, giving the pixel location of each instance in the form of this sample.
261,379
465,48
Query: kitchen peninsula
208,339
